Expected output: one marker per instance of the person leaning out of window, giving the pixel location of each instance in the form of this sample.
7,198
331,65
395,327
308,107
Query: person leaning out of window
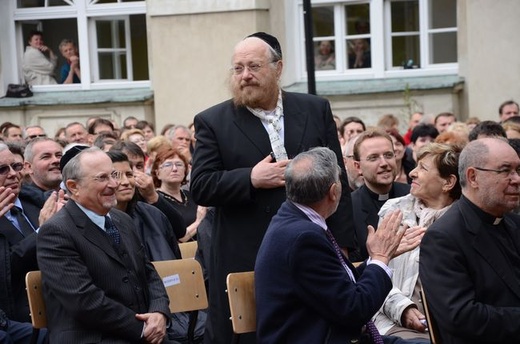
70,72
39,61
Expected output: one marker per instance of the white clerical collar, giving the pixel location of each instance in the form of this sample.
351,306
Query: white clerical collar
497,221
384,197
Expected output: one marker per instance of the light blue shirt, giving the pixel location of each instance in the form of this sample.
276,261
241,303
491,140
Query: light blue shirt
99,220
320,221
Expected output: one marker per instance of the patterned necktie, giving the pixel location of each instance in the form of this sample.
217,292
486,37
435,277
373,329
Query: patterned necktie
23,225
274,128
112,231
371,329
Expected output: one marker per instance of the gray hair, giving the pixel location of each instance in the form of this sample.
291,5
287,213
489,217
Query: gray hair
28,154
172,130
73,169
310,174
474,153
30,127
3,147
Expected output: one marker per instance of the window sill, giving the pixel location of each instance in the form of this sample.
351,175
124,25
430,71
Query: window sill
386,85
131,95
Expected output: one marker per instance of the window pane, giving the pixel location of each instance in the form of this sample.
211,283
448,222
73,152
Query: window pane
104,33
405,52
443,14
31,3
358,52
357,19
323,21
106,66
40,3
324,56
54,31
139,47
444,47
112,66
405,16
121,41
111,34
57,3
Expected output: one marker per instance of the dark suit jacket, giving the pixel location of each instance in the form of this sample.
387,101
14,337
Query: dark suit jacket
23,260
230,142
365,213
92,292
471,287
303,293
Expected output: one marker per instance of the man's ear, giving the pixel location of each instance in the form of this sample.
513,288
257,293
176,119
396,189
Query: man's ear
471,177
333,191
72,186
357,165
279,68
28,167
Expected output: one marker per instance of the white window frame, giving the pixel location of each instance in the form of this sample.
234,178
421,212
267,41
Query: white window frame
85,12
95,50
380,36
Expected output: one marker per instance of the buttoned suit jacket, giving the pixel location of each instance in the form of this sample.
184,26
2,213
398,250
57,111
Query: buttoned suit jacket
470,286
23,260
365,209
303,292
93,291
230,142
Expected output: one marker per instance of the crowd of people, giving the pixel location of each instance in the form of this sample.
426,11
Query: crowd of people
265,181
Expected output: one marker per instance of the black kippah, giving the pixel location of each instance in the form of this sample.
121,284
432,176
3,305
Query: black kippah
71,153
269,39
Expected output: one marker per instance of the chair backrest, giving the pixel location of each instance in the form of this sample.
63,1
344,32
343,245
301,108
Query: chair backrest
241,295
188,249
33,284
432,329
184,284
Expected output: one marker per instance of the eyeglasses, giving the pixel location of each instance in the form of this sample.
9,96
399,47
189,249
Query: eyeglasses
252,68
17,167
376,157
30,137
177,164
104,178
505,172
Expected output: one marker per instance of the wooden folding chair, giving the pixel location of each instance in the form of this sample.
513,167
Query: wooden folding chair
432,329
33,284
188,249
184,284
242,305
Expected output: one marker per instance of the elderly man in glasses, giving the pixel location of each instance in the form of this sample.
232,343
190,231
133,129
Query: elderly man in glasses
19,226
470,257
32,132
98,284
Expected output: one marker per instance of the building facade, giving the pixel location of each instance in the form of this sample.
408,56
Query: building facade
165,61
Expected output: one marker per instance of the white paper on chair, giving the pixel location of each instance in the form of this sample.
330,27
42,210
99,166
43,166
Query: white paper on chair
171,280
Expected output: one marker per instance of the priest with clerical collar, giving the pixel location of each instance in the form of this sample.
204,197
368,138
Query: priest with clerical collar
374,159
470,257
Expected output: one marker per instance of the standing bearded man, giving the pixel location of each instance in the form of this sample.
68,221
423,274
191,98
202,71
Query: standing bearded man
243,147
